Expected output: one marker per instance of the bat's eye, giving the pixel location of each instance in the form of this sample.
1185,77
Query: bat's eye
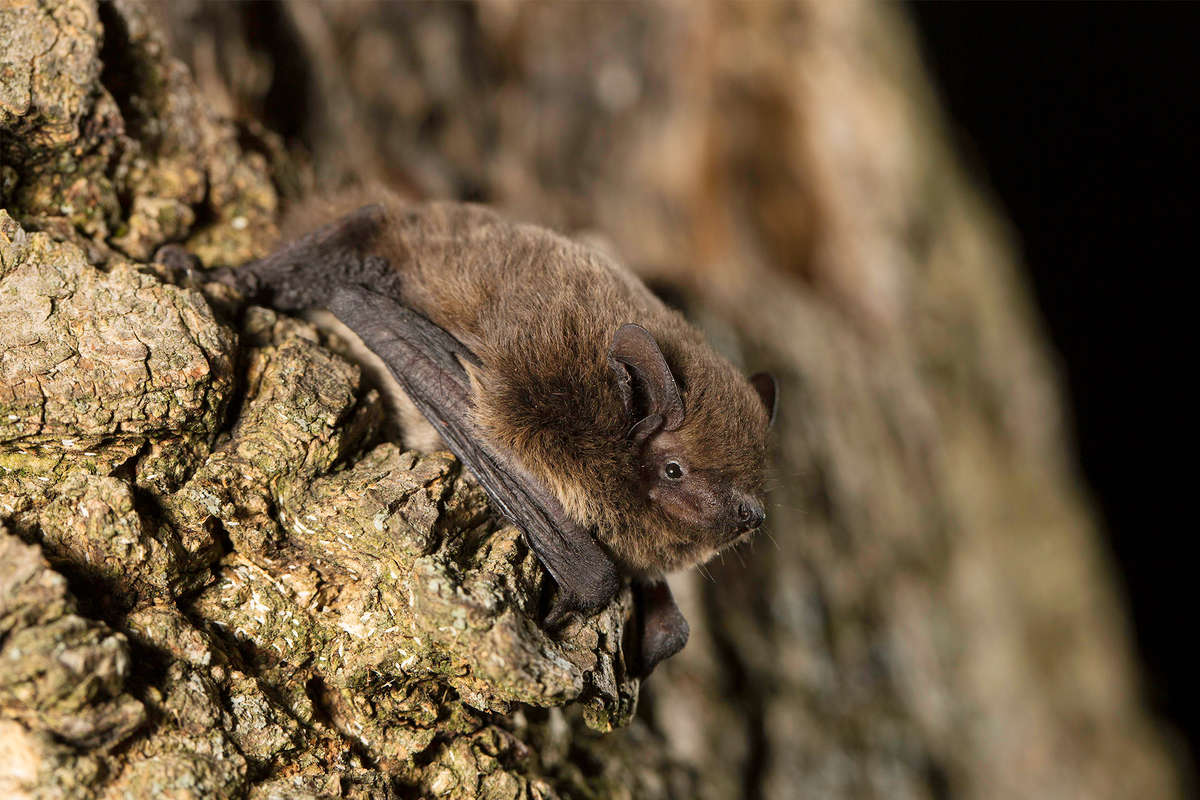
673,471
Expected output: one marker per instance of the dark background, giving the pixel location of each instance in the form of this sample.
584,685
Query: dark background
1083,120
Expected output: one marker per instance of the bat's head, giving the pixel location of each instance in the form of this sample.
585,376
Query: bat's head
700,464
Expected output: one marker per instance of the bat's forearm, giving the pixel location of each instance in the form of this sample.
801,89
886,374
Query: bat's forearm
306,273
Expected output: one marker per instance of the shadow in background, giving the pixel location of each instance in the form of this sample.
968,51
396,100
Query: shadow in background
1083,120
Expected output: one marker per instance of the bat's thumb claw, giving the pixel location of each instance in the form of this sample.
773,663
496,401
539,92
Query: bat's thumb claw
560,612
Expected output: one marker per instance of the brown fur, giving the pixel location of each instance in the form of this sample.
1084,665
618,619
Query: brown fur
540,311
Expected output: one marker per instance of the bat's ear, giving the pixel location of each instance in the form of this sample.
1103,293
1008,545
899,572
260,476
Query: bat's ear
645,379
768,391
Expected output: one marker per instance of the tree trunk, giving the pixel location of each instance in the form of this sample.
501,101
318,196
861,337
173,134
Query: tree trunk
219,578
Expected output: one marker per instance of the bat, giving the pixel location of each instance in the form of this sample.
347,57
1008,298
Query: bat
596,419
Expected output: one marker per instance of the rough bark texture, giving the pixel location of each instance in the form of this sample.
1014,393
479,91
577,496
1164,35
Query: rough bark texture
219,579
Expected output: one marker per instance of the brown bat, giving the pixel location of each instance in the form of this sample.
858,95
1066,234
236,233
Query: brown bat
597,419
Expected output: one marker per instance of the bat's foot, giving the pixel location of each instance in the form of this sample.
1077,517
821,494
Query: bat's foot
178,260
185,269
660,629
243,282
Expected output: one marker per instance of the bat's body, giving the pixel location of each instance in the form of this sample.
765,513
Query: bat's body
595,417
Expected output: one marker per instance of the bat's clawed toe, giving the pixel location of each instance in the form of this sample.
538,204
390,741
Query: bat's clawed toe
176,258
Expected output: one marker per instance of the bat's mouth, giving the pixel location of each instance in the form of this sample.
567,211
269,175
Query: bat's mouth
741,536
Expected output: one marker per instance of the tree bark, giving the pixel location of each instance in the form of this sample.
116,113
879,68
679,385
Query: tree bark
219,578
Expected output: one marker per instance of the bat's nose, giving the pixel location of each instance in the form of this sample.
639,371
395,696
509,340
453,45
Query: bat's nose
750,515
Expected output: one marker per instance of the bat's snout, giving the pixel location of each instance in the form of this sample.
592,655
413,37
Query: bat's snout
750,515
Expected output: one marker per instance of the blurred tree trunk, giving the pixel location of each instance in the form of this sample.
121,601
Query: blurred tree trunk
931,614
